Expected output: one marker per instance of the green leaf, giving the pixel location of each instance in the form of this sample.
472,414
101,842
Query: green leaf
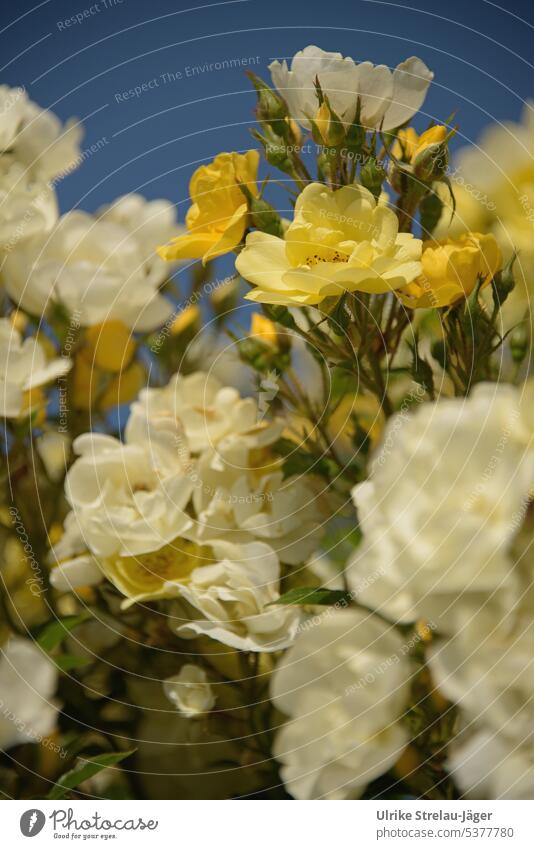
54,632
314,595
85,770
66,662
299,462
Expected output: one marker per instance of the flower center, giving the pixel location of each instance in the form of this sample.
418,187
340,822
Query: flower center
147,572
335,256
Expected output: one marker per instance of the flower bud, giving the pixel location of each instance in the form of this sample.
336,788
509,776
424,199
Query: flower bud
503,283
270,107
190,691
327,126
275,148
372,175
405,144
431,156
262,215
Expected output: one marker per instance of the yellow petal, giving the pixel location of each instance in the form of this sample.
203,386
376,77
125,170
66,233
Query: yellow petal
231,237
110,345
188,246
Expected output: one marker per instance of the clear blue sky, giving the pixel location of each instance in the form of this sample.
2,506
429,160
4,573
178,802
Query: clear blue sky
478,50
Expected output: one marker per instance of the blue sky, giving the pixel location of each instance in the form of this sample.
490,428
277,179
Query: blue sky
187,112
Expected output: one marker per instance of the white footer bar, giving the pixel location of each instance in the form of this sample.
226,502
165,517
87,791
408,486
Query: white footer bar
255,825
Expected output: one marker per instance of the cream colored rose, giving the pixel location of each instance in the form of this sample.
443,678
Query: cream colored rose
23,368
95,268
211,414
344,686
28,206
28,682
129,498
486,765
35,137
232,599
387,99
252,500
439,510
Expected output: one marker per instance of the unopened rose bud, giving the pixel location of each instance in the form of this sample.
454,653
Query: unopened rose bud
431,156
405,144
270,108
327,126
276,149
503,283
263,216
372,176
190,691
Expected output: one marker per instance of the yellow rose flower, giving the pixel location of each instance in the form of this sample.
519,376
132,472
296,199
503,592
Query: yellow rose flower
146,576
339,241
217,220
187,321
93,387
109,345
34,405
264,328
124,387
451,270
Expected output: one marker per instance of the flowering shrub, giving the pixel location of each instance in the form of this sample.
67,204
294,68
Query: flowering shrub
296,556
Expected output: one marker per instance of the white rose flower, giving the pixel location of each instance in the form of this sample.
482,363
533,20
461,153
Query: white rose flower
28,206
95,268
234,596
246,503
190,691
149,222
129,498
12,108
490,766
28,682
54,449
211,414
35,137
344,686
23,367
387,99
438,512
72,564
484,666
80,571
